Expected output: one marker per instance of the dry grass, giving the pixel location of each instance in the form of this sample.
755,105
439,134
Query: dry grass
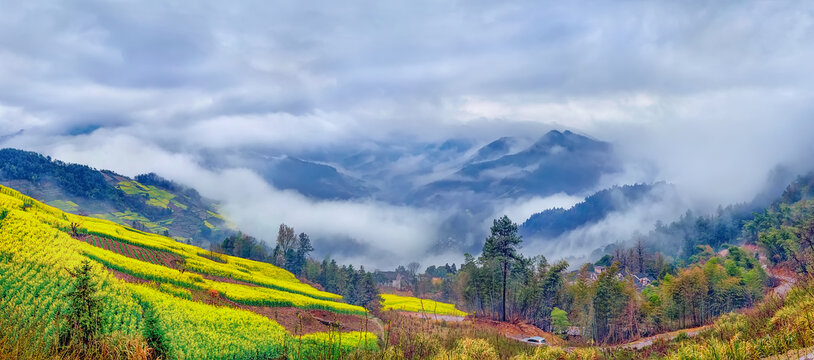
407,337
21,339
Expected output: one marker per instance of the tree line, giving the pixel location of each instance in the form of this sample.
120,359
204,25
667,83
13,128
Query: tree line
292,252
606,302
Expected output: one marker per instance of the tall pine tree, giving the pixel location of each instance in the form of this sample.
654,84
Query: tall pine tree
501,246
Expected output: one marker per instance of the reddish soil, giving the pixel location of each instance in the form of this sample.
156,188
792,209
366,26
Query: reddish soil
136,252
516,330
296,321
127,277
300,322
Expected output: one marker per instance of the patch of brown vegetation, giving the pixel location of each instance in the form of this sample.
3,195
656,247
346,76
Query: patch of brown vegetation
207,297
422,338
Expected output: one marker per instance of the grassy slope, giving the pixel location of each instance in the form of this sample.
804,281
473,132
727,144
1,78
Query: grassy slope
35,250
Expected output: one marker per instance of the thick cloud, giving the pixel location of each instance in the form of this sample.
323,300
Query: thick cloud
709,96
376,232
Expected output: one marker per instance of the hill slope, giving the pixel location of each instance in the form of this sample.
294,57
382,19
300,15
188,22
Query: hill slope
148,202
554,222
146,275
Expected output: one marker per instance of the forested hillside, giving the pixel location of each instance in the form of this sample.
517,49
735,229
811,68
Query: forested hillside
554,222
148,202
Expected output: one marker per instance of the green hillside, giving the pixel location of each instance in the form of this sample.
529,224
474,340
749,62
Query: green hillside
148,202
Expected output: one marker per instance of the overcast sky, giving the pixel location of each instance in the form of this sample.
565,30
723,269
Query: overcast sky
715,94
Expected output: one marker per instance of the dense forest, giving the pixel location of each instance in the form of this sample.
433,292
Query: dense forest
80,180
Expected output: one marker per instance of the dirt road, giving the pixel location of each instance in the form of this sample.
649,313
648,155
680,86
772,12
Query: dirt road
645,342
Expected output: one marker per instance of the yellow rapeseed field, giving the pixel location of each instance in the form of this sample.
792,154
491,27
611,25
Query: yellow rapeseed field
36,251
406,303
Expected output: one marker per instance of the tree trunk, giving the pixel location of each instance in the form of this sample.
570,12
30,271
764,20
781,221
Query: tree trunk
505,268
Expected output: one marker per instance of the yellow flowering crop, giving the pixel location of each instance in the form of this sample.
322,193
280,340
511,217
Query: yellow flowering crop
406,303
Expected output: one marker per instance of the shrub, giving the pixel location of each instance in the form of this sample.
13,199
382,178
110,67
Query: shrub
213,293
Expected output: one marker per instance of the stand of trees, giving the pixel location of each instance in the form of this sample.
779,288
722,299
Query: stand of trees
356,286
80,180
292,252
608,306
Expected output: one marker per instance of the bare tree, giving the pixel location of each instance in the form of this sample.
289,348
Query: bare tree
75,229
413,268
286,240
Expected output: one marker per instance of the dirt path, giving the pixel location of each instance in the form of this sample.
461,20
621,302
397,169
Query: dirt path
786,282
645,342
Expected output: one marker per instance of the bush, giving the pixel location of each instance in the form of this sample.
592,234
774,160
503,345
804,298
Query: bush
213,293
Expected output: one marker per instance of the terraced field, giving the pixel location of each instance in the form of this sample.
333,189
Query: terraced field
163,278
412,304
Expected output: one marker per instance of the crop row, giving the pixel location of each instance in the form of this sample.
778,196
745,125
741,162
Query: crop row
200,331
243,294
411,304
258,273
146,255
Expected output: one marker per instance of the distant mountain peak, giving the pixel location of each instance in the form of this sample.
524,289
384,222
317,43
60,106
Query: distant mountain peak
568,140
494,149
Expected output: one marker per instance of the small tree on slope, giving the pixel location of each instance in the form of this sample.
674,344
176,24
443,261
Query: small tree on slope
85,323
